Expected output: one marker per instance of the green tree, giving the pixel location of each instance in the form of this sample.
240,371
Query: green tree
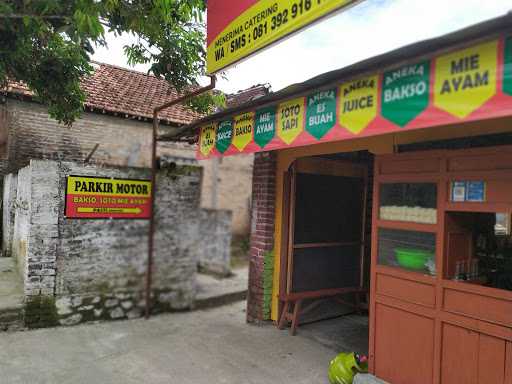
47,44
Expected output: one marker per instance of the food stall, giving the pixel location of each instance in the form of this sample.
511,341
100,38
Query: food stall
432,207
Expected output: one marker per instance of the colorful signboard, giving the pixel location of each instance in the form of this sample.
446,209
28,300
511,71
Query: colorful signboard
472,83
237,29
265,126
207,139
507,67
321,112
466,79
107,198
405,92
358,103
243,127
224,135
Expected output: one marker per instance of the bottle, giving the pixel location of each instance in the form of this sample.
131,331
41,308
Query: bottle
458,271
474,269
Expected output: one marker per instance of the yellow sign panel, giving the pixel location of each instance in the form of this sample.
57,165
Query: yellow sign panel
109,210
290,119
98,186
207,139
257,26
358,103
243,127
466,79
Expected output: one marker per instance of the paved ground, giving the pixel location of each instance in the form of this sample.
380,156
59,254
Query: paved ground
11,292
206,346
213,291
343,334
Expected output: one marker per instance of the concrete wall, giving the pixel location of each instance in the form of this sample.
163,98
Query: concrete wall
215,255
226,183
20,236
77,270
34,135
8,201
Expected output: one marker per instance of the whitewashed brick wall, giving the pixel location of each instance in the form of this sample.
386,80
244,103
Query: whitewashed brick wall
95,269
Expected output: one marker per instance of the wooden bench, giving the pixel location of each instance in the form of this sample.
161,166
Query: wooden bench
295,300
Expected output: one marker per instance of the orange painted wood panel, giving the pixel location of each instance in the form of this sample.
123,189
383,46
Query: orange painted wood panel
407,290
480,163
410,166
498,191
404,346
491,360
459,356
508,364
478,306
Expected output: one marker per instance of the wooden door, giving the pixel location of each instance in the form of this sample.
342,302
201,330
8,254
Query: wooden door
318,241
325,221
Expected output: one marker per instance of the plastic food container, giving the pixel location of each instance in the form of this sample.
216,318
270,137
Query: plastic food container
412,258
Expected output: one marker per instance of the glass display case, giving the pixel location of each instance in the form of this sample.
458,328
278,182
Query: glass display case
410,202
479,248
410,250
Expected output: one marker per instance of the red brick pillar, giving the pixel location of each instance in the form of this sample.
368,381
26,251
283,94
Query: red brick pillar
262,232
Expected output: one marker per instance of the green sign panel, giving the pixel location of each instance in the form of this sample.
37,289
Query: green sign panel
224,135
265,126
507,67
405,92
321,112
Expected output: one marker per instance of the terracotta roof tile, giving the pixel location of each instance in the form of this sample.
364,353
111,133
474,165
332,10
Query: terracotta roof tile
120,90
252,93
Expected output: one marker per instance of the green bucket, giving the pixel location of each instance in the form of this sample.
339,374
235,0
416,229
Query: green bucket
412,258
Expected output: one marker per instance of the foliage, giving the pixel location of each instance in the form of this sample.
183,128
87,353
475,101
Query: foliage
207,102
47,44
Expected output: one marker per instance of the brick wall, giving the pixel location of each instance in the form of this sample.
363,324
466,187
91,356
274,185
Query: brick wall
262,232
123,142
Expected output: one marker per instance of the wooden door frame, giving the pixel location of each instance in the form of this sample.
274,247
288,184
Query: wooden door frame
318,166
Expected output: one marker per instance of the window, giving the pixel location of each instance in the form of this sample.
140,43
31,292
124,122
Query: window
410,250
412,202
479,248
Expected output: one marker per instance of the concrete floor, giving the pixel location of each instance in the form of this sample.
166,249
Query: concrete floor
347,333
205,346
11,290
213,291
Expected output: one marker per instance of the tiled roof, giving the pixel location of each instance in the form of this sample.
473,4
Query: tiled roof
252,93
127,92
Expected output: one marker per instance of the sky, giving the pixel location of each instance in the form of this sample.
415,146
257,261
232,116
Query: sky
367,29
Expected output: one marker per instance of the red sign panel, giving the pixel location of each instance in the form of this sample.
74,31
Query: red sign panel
107,198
